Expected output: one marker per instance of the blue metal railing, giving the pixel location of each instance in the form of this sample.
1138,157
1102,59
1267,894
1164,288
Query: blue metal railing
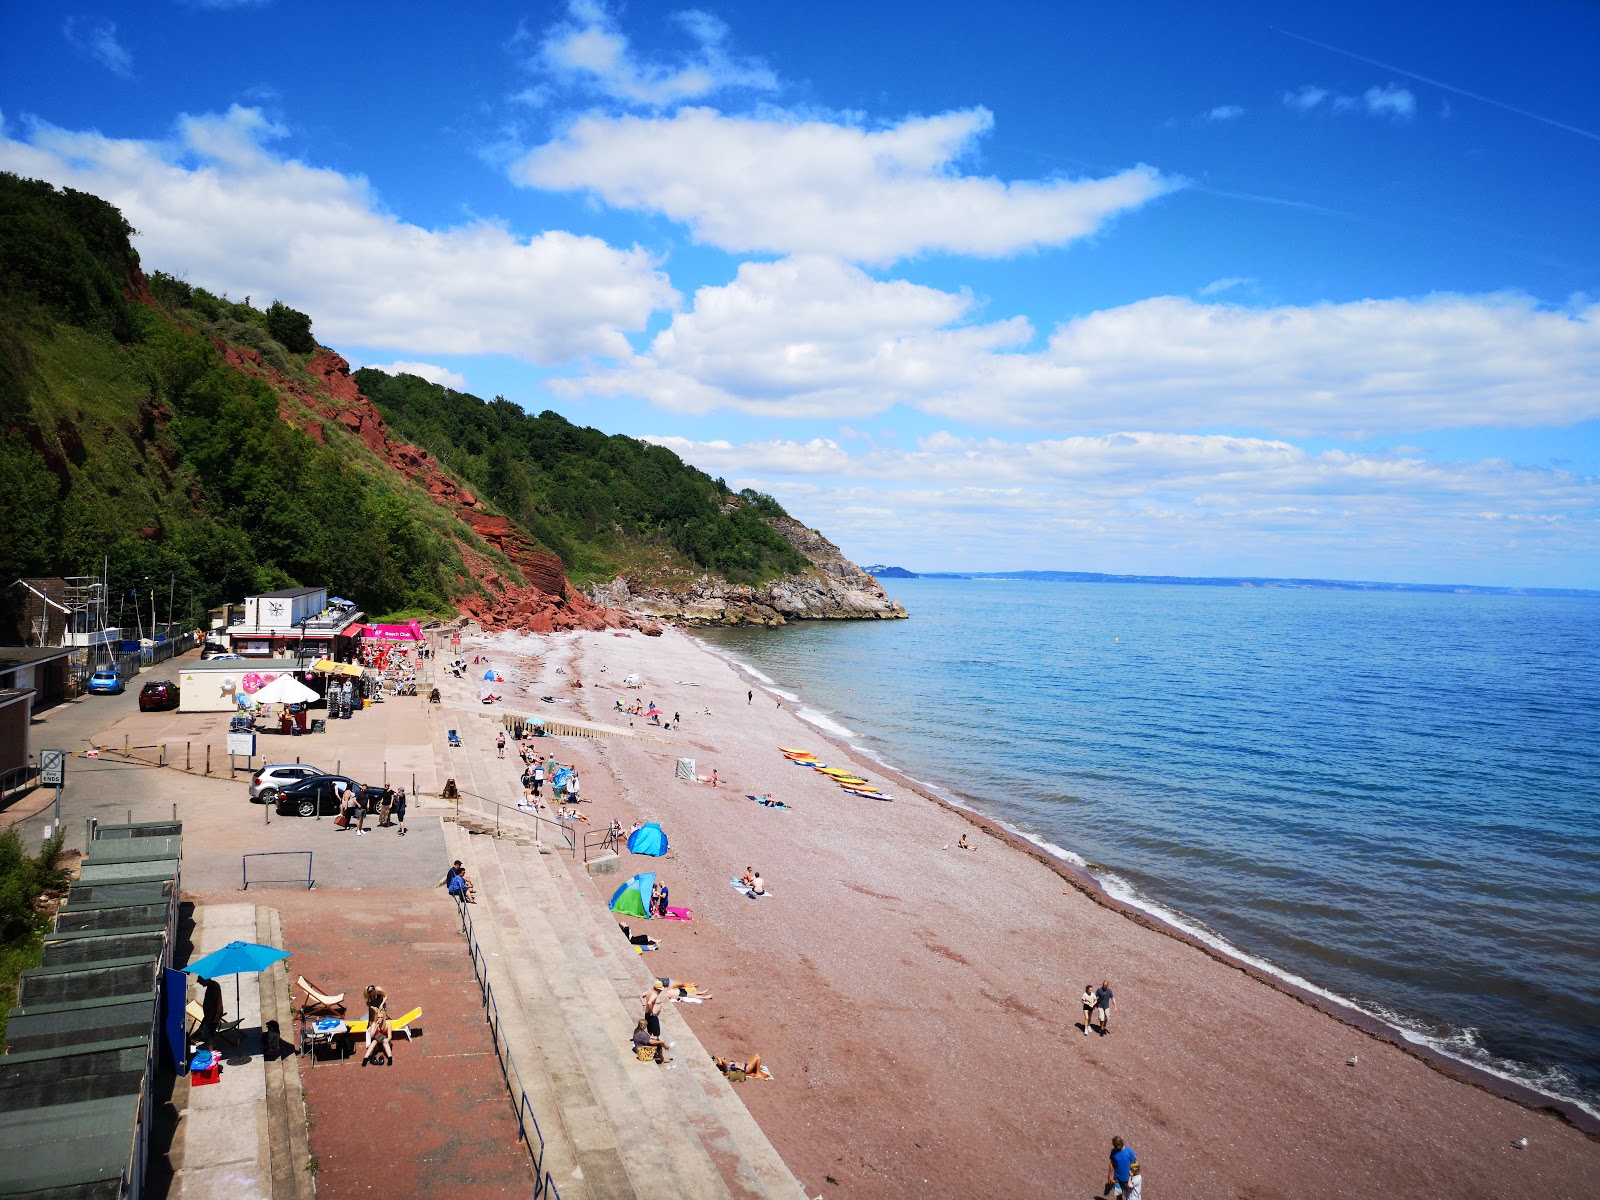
244,867
544,1183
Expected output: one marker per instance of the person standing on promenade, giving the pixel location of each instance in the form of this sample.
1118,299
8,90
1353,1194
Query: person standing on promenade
500,743
400,810
538,779
361,811
1089,1006
1122,1160
1103,1000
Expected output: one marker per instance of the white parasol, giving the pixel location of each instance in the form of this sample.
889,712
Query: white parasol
285,689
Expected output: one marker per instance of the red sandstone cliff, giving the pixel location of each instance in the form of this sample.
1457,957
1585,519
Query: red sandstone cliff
545,602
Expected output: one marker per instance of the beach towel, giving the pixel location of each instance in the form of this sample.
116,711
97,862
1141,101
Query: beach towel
688,1000
677,914
739,886
767,802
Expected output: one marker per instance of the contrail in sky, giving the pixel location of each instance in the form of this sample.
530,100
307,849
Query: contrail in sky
1521,112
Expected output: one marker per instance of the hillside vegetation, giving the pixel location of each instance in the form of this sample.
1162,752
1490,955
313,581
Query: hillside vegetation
183,434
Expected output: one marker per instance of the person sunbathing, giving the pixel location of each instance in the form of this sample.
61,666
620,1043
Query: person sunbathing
683,987
748,877
732,1068
757,886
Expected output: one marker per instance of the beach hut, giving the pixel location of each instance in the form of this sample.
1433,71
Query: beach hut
633,898
686,769
648,839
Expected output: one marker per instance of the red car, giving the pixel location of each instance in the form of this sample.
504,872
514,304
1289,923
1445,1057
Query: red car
158,695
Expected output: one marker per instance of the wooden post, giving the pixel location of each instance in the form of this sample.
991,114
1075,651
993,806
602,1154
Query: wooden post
188,756
208,758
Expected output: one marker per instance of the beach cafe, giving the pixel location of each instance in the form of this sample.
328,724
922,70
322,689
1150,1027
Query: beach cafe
298,623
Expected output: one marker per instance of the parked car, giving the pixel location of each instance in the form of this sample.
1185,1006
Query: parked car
210,655
319,796
107,681
157,695
266,783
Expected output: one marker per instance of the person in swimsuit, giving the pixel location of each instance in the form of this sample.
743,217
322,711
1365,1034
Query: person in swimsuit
750,1067
377,1023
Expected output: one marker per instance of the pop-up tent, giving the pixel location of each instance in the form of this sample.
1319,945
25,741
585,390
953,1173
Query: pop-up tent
648,839
494,676
685,769
633,898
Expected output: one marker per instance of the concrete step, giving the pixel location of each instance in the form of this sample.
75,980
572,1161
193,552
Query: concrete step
563,1159
592,1047
705,1099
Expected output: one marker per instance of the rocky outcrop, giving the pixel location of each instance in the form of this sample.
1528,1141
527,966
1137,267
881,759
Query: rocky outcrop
833,589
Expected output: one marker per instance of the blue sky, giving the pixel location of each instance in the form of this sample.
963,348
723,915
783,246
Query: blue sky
1254,288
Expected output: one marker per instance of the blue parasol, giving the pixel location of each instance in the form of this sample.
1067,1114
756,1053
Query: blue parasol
236,958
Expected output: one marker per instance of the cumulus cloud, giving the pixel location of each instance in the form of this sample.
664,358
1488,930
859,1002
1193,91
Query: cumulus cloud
589,49
428,371
1390,100
1188,501
215,205
1306,97
1225,112
96,38
813,337
778,183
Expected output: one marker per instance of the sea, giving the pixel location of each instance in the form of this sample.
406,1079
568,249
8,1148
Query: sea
1392,798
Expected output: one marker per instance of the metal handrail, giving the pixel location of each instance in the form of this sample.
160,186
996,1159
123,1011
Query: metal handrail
544,1182
564,828
244,867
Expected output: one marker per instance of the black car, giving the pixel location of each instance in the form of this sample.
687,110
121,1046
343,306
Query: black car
157,695
321,796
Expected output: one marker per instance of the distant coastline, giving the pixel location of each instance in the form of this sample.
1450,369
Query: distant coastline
1331,585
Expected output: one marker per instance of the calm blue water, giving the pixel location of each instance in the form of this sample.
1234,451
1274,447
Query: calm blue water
1393,796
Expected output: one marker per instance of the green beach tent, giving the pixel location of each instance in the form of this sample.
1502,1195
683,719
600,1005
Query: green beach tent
633,897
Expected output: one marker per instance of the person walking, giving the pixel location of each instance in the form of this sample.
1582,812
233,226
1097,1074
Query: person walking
1103,1000
1117,1174
651,1003
361,811
538,779
750,697
1088,1002
572,789
500,744
400,810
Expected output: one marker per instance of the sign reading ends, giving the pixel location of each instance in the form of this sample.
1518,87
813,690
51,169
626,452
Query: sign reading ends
52,768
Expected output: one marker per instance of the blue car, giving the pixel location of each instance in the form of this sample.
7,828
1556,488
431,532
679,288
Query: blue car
107,681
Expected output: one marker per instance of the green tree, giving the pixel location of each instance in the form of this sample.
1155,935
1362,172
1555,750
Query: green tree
290,328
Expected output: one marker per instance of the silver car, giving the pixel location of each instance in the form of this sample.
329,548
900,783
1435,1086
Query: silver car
268,781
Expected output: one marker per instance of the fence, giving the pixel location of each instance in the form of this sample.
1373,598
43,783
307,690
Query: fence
244,867
18,781
564,828
544,1184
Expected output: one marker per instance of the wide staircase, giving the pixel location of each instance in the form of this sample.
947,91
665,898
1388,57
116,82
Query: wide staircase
566,988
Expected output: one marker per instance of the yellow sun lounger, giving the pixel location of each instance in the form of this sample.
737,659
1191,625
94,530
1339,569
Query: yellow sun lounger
396,1026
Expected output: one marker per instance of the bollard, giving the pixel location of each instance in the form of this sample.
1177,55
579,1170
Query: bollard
88,832
125,748
174,811
208,758
163,754
413,783
386,772
188,756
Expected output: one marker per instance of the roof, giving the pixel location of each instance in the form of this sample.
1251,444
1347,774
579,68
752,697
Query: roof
289,593
12,695
27,656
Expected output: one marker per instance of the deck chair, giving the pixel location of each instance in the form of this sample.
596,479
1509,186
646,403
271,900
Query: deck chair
397,1026
227,1031
318,1002
455,738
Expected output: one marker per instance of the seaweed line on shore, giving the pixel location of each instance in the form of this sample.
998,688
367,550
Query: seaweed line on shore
1158,918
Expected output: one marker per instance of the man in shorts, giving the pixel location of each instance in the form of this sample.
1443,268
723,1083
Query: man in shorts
1103,1000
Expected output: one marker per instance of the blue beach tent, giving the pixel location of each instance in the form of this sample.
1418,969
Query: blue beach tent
633,898
648,839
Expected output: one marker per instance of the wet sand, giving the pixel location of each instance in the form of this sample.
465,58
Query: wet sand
918,1004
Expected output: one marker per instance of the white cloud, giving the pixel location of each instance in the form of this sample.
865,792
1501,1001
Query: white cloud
428,371
588,48
1217,286
1306,97
812,337
1390,100
1198,504
96,38
1225,112
217,207
782,184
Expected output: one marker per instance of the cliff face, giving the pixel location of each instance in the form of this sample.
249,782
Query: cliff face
833,589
